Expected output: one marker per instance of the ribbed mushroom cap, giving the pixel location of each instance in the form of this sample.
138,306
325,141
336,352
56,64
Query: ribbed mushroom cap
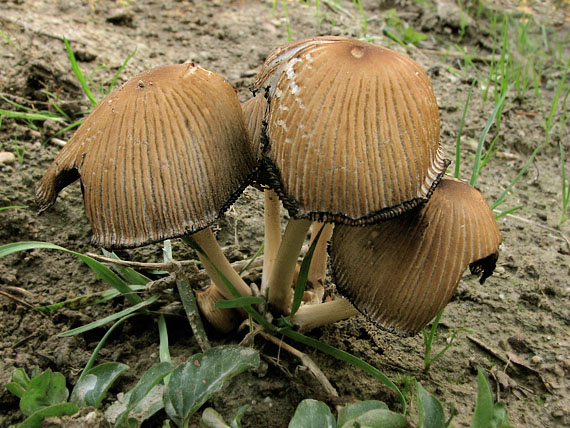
159,157
402,272
254,111
352,128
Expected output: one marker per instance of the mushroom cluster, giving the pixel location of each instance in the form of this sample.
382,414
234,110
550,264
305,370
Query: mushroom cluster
344,134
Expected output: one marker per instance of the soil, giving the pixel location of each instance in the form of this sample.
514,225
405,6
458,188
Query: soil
517,322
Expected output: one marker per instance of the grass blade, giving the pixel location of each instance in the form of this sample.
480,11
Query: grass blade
303,274
349,358
106,320
79,73
100,269
460,133
478,154
101,344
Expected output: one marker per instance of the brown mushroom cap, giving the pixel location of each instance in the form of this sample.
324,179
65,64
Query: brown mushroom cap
402,272
159,157
254,111
352,128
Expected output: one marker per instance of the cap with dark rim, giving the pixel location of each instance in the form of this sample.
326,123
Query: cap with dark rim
402,272
352,131
160,157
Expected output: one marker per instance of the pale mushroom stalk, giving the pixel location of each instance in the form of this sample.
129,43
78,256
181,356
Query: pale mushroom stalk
318,268
281,276
217,261
272,241
313,316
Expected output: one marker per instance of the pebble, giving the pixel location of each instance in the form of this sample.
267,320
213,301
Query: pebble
7,158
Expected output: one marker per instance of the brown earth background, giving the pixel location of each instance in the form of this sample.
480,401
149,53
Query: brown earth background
518,321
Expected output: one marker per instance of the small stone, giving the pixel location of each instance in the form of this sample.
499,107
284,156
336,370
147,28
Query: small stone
7,158
537,359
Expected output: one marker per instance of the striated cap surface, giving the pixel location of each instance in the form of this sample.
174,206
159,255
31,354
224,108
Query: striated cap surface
402,272
159,157
254,111
352,129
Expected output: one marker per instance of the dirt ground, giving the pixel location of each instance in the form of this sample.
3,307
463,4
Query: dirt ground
518,320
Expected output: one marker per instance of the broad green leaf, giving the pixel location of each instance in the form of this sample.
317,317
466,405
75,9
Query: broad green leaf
236,421
93,386
500,416
16,389
312,414
146,408
148,380
212,419
195,381
44,390
21,377
354,410
484,408
371,414
110,318
61,409
430,410
100,269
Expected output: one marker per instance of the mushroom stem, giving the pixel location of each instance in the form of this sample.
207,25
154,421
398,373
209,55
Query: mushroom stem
281,276
318,268
216,259
312,316
223,320
272,241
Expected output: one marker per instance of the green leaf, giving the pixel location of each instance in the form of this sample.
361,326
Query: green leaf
100,269
430,410
349,358
78,73
354,410
212,419
16,389
106,320
500,416
128,273
93,386
148,381
61,409
236,421
44,390
312,413
21,377
372,414
195,381
239,302
484,408
146,408
303,275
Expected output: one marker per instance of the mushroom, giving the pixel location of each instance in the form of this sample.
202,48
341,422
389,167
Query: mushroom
402,272
160,157
254,111
352,137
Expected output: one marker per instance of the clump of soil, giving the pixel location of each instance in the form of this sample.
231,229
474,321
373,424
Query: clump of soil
517,322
